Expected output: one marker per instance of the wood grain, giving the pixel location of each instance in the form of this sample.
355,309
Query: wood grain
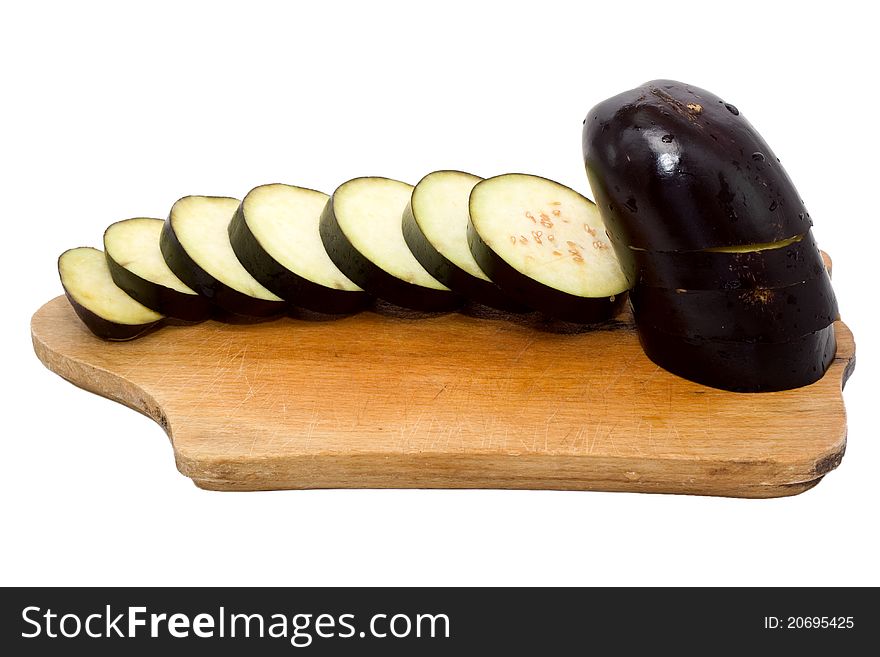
451,401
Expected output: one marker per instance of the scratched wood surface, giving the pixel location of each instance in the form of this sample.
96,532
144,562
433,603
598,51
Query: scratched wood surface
452,401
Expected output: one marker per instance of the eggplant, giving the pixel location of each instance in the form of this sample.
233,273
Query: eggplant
544,245
137,266
743,366
760,265
729,287
676,168
755,314
435,224
361,228
274,234
195,244
105,309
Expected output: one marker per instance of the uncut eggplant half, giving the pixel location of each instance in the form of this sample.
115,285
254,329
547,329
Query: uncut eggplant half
753,315
769,265
105,309
435,224
545,246
137,266
743,366
676,168
362,232
195,244
275,235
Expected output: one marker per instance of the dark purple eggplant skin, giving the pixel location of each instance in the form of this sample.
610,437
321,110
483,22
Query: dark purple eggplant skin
186,307
298,291
676,168
375,280
223,296
534,294
107,330
742,366
753,315
712,270
451,275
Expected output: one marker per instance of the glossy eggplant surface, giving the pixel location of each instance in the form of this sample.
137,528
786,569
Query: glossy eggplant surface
743,366
754,315
676,168
772,265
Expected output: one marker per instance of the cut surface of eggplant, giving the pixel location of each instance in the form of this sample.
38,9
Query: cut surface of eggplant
676,168
104,308
783,263
195,244
755,315
544,245
275,235
137,266
741,366
361,228
435,226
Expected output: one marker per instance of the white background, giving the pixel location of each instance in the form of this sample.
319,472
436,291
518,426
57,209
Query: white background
111,110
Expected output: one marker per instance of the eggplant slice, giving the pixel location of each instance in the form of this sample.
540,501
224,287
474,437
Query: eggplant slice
275,235
195,244
104,308
544,245
753,315
743,366
435,226
676,168
137,266
362,232
772,265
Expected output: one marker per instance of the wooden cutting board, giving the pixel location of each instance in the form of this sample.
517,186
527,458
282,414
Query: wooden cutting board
451,401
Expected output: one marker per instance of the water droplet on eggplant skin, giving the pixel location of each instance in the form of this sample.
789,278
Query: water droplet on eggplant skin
757,156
